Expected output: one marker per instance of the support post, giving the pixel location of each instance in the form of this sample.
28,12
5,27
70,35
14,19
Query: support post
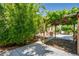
78,34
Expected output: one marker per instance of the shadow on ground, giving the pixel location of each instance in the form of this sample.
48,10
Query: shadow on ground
31,50
63,44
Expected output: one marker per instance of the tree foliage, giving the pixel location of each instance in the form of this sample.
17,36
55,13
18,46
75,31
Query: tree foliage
57,17
18,23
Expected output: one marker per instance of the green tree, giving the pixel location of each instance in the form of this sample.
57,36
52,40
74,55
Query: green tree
20,23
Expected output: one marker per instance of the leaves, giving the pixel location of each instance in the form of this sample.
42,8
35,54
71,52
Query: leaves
58,16
18,23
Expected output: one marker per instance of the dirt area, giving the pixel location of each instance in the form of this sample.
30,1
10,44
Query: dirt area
66,45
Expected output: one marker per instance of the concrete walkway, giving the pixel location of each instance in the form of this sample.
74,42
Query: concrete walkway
36,49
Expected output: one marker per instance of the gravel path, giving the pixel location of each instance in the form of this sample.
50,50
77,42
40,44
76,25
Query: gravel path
66,37
36,49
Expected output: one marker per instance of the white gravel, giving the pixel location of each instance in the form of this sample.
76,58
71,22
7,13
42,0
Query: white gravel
66,37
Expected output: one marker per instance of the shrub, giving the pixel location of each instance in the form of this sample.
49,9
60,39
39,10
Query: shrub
17,23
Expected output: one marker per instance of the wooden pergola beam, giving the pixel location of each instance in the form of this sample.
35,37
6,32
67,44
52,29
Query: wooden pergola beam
70,15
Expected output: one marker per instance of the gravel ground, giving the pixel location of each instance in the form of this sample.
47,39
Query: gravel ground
35,49
66,45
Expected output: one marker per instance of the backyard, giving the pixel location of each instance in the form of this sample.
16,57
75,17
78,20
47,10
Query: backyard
28,29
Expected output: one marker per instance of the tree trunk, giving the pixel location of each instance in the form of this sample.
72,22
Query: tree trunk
74,31
55,31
